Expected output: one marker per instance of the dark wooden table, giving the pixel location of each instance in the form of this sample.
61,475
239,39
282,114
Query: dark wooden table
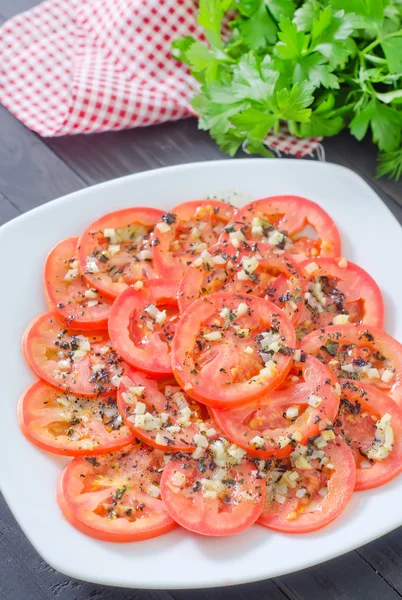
34,171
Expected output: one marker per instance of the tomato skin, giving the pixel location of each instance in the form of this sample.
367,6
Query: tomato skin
33,405
371,400
354,286
41,335
81,512
354,338
69,306
290,215
128,311
317,379
93,237
277,277
156,402
210,384
203,516
340,490
170,263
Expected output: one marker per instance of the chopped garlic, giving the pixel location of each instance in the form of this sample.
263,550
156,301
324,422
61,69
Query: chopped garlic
91,294
71,274
292,412
249,350
198,453
114,249
387,376
64,365
373,374
311,268
154,491
242,309
178,479
213,336
343,263
138,285
341,319
140,408
314,400
257,442
163,227
200,440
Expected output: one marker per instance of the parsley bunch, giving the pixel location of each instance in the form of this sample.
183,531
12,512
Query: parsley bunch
319,65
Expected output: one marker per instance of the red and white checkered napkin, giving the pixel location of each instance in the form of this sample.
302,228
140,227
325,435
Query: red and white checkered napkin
81,66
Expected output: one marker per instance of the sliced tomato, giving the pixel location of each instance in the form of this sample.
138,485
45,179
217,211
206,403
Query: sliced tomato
77,362
115,497
71,425
142,325
338,287
289,415
371,424
115,250
305,493
68,293
361,353
285,221
231,349
160,413
187,230
211,495
258,269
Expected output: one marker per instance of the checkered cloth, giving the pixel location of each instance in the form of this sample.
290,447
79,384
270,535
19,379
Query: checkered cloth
82,66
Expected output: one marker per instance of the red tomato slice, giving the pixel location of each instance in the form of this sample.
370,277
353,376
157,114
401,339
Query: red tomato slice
273,425
361,353
212,496
68,293
361,424
115,497
303,494
71,425
160,413
284,222
231,349
115,250
259,269
142,325
185,231
77,362
334,290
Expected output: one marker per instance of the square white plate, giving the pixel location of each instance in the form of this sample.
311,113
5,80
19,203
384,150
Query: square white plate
370,234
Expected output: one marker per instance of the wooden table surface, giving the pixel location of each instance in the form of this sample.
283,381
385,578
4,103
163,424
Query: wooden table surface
35,170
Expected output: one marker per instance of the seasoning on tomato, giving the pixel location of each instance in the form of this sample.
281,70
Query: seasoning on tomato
370,422
77,362
161,414
216,494
338,292
258,269
142,325
291,223
311,488
295,411
185,232
115,251
361,353
71,425
69,295
116,497
230,349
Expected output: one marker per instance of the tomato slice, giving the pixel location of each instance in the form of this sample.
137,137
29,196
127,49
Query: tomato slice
361,353
338,287
71,425
115,497
231,349
309,490
258,269
284,221
214,495
290,414
371,424
68,293
115,250
77,362
187,230
142,325
160,413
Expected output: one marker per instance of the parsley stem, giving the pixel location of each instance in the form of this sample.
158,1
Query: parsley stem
380,40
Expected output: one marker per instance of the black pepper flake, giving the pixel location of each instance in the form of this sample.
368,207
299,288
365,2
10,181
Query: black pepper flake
169,218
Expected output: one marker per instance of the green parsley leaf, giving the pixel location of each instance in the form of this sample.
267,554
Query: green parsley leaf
281,8
306,15
210,17
291,41
259,30
390,163
254,123
292,104
385,123
393,53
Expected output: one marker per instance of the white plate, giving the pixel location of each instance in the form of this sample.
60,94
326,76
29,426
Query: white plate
371,237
